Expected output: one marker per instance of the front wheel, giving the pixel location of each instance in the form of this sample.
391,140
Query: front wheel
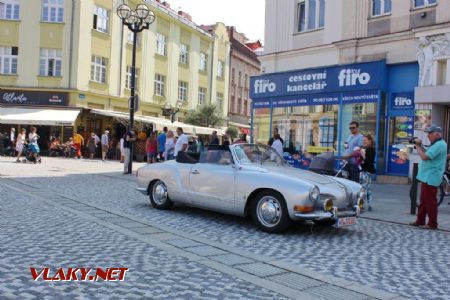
159,198
269,212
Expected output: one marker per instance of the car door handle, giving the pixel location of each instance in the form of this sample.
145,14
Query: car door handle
195,172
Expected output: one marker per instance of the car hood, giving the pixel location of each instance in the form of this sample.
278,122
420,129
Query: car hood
311,177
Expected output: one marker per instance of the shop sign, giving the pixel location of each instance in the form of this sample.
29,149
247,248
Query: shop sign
17,97
401,104
364,76
360,97
318,149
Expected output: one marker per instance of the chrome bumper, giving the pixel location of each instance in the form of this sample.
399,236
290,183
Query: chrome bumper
142,190
328,215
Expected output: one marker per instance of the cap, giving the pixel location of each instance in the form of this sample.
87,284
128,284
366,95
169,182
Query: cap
433,128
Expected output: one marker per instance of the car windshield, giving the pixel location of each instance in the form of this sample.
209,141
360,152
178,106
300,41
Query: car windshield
257,154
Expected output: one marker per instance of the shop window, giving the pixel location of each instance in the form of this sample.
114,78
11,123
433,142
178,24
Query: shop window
424,3
310,15
306,130
363,113
9,9
53,11
261,125
381,7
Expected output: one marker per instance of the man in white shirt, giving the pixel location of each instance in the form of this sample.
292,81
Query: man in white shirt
182,142
105,144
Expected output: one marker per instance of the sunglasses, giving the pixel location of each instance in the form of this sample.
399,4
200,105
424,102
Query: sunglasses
352,128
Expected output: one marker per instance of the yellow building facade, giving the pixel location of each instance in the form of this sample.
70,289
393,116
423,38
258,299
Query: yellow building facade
79,51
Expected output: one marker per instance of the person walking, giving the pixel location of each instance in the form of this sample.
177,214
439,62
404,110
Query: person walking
20,143
214,139
353,143
162,143
34,147
151,148
182,141
169,147
277,144
12,141
367,167
128,140
78,142
105,144
431,170
92,144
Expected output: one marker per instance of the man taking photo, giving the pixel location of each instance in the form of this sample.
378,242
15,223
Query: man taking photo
431,170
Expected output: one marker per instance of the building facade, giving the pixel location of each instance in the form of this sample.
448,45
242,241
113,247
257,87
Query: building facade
76,54
327,63
243,63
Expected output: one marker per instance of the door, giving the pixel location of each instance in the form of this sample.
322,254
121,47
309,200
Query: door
401,130
212,186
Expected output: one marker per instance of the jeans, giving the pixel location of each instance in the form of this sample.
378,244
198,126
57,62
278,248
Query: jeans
365,179
126,154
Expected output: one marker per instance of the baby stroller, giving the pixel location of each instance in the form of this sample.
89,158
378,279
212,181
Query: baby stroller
325,164
30,154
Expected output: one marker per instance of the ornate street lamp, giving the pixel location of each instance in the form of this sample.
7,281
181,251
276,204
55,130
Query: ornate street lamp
136,20
168,110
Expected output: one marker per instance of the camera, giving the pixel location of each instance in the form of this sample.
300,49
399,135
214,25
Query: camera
412,140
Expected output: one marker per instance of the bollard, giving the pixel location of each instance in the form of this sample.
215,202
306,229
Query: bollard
413,190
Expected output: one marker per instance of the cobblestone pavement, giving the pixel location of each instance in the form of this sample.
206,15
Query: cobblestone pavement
390,257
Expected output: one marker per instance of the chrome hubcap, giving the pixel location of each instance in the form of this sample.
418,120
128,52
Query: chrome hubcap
269,211
159,193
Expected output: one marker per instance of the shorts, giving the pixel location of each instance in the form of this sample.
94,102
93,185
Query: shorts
151,154
105,148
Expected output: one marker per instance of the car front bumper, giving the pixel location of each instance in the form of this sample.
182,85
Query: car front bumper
324,215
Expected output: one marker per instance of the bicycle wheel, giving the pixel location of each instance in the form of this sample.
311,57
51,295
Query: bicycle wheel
440,194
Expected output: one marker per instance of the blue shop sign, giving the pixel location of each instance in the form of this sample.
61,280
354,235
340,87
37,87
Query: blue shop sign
364,76
401,104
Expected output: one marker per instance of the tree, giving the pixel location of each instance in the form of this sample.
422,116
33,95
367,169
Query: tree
206,115
232,132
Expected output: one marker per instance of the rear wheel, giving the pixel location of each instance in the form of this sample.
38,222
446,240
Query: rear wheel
159,198
269,212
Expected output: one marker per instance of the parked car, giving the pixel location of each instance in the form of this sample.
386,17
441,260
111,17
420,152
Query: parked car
250,179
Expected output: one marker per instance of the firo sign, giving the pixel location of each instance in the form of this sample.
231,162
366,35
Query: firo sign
336,79
401,102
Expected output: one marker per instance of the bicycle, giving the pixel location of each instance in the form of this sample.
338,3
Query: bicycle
443,190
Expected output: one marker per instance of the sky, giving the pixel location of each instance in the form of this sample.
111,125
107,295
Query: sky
246,15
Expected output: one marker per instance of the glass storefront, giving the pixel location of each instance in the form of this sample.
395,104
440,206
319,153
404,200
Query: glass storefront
261,125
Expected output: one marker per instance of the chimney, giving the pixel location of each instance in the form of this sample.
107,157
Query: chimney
166,4
185,15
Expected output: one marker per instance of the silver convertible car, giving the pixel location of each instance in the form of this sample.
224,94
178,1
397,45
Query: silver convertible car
250,179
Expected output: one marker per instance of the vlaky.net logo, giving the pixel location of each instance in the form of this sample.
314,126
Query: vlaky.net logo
264,86
351,77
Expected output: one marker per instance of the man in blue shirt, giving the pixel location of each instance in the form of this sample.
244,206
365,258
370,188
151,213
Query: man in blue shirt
431,170
353,141
162,143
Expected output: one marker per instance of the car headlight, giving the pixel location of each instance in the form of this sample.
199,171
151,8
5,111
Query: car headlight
314,194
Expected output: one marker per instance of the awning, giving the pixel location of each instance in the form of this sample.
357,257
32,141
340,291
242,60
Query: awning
238,125
37,116
158,123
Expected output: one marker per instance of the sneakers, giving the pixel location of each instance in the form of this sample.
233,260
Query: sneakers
428,227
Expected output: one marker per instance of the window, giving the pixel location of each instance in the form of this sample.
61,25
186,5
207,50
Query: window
182,90
232,104
246,81
130,38
160,85
232,76
50,62
101,19
201,96
219,101
128,79
161,44
53,10
240,79
381,7
8,60
239,103
423,3
310,15
220,69
203,61
184,54
9,9
98,69
246,107
442,72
